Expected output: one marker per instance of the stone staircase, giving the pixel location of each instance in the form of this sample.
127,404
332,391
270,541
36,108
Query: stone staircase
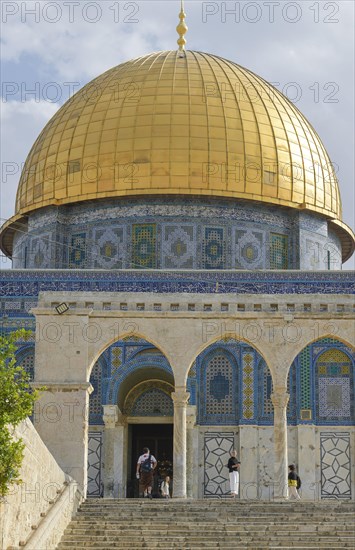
200,524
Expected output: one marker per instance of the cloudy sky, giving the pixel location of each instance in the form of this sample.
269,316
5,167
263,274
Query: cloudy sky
51,48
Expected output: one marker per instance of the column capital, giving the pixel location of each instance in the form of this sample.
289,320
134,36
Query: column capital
180,397
111,415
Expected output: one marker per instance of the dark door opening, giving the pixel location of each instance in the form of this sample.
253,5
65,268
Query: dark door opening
159,439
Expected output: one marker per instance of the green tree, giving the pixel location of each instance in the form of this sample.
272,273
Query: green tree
16,403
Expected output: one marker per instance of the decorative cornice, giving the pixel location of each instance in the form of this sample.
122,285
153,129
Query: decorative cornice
29,283
62,386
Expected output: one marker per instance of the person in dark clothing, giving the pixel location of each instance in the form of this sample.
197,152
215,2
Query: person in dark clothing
144,472
293,482
233,467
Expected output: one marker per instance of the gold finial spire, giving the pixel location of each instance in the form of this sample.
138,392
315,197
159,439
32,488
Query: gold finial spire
182,29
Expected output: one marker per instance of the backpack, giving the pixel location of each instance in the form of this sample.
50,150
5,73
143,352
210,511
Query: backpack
299,483
146,466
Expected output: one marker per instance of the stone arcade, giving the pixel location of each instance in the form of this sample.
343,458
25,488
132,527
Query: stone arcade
184,223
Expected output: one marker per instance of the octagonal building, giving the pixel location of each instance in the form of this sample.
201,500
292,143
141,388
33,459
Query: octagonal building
183,219
178,162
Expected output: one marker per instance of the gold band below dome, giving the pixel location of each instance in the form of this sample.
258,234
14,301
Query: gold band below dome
161,125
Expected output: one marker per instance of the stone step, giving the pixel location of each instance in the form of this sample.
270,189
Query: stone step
234,545
169,527
218,536
298,506
246,536
247,542
233,508
119,519
215,504
198,525
329,541
164,504
234,513
180,545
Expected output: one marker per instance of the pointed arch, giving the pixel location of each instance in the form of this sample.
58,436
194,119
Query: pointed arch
150,398
217,381
230,337
25,357
98,375
325,382
251,386
126,363
130,335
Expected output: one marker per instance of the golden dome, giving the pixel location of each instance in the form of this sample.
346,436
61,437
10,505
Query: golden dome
195,124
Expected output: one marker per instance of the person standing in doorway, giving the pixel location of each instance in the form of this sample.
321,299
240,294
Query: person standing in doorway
145,467
293,482
165,487
233,466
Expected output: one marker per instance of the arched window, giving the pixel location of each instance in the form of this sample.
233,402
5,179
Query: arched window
153,402
26,359
95,401
333,389
266,408
230,386
218,395
150,398
325,390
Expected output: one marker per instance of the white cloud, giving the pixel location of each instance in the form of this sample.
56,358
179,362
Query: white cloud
21,124
37,110
82,49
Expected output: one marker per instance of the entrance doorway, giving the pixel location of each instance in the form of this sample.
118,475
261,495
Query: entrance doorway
159,439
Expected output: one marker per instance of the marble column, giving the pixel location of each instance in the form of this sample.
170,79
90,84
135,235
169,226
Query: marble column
120,457
180,398
190,450
110,418
280,398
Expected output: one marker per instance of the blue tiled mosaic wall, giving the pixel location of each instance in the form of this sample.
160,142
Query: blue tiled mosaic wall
19,288
230,382
325,378
321,380
144,250
175,234
278,251
319,248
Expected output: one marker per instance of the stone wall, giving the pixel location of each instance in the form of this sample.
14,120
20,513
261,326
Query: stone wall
37,511
322,457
